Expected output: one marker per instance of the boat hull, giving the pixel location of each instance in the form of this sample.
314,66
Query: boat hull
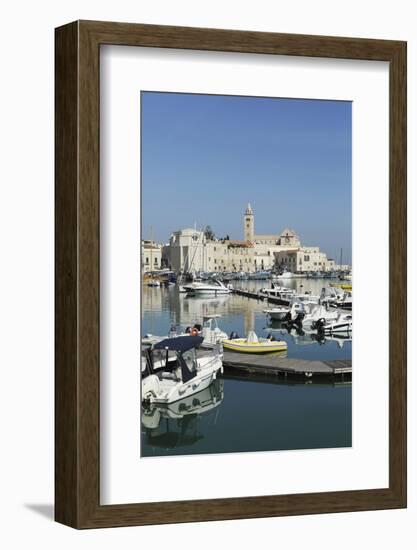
209,291
242,346
278,315
195,385
340,327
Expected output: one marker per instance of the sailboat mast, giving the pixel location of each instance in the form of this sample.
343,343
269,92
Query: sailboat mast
196,246
150,269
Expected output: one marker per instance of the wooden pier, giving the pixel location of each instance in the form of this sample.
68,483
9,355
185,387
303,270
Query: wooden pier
259,296
276,365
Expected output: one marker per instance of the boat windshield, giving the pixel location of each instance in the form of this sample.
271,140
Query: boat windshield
162,359
188,364
189,360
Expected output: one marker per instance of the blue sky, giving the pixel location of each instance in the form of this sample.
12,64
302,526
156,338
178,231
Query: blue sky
205,157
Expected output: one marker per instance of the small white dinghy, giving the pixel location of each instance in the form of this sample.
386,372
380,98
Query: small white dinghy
172,370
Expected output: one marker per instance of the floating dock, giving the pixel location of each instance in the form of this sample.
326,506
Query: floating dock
273,364
259,296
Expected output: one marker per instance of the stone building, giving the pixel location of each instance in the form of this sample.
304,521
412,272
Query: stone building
304,259
190,250
186,251
151,256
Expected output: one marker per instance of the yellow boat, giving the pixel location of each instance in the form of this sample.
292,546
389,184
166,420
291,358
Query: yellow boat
344,286
252,344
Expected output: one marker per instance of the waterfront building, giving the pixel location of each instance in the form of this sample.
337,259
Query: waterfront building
190,250
304,259
186,251
151,256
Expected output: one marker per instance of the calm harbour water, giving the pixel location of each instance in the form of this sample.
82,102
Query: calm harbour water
239,413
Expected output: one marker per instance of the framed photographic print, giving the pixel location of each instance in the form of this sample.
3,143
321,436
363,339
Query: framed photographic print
221,196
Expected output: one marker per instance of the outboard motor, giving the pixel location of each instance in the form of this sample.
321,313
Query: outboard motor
319,325
299,319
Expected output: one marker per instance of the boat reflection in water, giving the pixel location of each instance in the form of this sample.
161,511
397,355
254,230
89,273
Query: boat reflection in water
339,338
207,299
176,425
304,338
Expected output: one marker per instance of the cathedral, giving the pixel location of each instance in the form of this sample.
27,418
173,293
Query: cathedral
287,238
190,250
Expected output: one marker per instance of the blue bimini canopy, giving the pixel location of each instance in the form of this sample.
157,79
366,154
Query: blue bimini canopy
180,343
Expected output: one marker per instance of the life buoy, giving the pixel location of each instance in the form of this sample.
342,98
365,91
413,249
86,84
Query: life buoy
194,332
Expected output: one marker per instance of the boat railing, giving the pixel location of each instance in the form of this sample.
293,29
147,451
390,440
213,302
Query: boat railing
212,358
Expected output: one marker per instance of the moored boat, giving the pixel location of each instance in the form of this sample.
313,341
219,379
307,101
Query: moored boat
211,331
180,372
277,313
214,287
316,314
345,302
276,291
253,344
286,313
343,323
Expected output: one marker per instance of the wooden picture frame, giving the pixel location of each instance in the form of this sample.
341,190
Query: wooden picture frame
77,383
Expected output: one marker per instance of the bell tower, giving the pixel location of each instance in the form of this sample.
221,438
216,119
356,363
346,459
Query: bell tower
248,224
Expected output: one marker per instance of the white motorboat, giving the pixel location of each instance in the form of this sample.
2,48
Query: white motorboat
331,295
289,313
211,331
277,313
213,287
277,291
307,298
313,316
345,302
284,275
179,373
342,323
